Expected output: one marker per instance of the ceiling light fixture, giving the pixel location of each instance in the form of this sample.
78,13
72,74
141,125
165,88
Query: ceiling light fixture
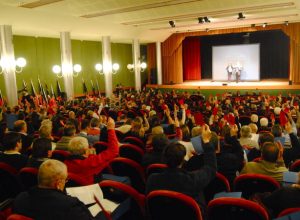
241,16
252,25
264,25
172,24
286,23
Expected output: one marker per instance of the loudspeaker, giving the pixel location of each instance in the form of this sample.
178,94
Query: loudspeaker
290,82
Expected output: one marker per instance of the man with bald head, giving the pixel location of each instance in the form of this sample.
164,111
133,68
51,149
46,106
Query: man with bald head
47,200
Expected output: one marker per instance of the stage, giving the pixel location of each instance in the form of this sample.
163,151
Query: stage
218,86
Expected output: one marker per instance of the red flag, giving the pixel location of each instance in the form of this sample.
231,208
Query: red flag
181,102
282,119
199,120
231,119
215,111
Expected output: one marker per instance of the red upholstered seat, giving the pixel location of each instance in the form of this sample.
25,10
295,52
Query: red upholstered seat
138,205
132,152
18,217
288,211
235,209
165,204
28,177
126,167
155,168
219,184
249,184
295,167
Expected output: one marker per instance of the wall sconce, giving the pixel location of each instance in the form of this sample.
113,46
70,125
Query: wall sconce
56,69
142,66
19,64
99,68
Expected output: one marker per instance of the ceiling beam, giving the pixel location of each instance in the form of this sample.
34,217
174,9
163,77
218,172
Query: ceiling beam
39,3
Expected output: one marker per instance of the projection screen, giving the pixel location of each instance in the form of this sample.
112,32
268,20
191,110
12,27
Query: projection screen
242,57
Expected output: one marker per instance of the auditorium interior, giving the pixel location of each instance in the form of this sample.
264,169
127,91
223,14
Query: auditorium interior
150,109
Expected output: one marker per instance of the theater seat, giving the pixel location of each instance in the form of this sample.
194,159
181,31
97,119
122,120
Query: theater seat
235,209
165,204
18,217
249,184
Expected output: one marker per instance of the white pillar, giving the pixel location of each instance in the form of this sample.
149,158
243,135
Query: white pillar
136,62
9,66
66,63
158,63
107,65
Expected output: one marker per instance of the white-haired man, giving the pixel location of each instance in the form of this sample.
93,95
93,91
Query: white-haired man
48,201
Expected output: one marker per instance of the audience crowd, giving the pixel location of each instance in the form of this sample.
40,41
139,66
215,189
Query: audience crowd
240,134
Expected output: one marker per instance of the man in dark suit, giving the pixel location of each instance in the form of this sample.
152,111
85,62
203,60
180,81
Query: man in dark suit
48,201
12,145
20,126
175,178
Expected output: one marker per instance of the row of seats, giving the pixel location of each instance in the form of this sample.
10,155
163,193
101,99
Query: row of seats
164,204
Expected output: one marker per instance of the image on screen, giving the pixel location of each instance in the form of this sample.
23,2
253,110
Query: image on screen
242,59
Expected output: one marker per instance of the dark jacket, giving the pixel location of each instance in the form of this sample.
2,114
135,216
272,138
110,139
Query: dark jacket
50,204
17,161
189,183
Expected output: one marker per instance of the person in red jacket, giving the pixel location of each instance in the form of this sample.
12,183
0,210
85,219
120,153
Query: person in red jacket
87,165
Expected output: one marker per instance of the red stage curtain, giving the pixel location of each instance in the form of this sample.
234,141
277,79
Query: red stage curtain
191,59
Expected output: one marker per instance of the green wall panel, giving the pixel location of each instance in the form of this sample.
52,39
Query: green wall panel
122,54
42,53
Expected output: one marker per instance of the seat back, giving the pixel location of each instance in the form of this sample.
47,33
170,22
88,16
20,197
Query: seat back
288,211
132,152
218,184
18,217
155,168
164,204
126,167
28,177
60,155
137,208
10,186
100,146
75,180
235,209
295,167
134,140
249,184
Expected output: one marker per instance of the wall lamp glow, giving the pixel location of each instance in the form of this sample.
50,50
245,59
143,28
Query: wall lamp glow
142,66
19,63
56,69
115,68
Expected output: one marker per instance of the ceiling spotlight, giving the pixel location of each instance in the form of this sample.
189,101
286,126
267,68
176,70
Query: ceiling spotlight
264,25
201,20
241,16
286,23
207,30
206,20
172,23
252,25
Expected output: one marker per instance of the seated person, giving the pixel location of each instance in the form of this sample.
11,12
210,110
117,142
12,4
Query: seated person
41,151
283,198
87,165
48,201
245,139
12,145
159,142
175,178
272,163
95,127
20,126
85,125
68,134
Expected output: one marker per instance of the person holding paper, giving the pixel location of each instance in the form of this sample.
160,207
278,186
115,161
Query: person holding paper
175,178
47,201
87,165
